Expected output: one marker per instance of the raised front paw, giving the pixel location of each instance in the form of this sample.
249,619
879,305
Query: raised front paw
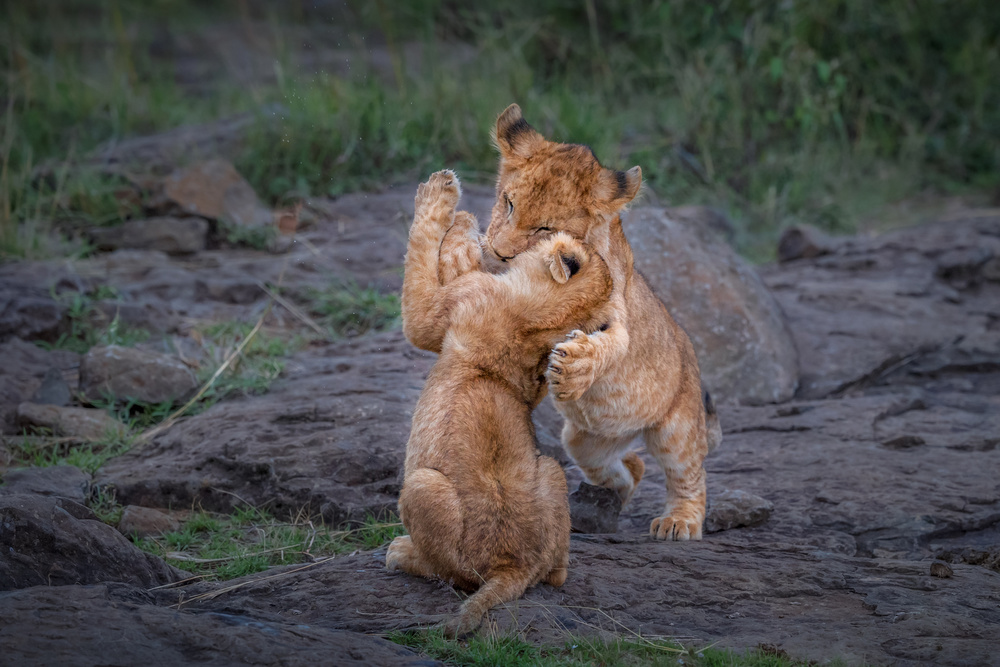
572,366
437,198
678,525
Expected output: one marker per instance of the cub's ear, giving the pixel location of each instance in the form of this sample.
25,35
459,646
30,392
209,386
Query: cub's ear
514,137
614,189
564,260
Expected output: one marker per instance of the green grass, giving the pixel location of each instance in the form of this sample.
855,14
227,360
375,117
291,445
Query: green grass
486,650
88,326
778,113
347,309
251,540
41,451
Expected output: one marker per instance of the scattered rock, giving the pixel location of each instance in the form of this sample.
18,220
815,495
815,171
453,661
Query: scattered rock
215,190
146,522
83,423
128,373
22,373
53,391
56,542
174,236
735,509
61,481
942,570
745,352
119,624
29,312
804,242
594,509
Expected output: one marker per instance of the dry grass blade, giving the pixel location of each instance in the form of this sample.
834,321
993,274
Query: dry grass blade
182,582
170,420
294,310
229,589
181,556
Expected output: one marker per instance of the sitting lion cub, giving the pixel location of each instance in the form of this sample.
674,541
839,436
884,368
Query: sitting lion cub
484,510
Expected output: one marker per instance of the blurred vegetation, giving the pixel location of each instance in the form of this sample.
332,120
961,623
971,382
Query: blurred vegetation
777,112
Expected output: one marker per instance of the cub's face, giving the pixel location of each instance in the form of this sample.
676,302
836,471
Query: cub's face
546,187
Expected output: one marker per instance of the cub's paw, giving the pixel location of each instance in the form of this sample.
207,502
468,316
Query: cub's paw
460,626
397,552
676,527
437,198
572,366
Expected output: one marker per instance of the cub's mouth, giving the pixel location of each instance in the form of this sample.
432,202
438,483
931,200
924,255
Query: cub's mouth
502,258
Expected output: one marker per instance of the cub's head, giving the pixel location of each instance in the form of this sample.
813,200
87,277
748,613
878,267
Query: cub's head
562,283
546,187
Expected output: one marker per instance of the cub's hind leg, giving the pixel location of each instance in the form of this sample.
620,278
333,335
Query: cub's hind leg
403,555
555,510
604,461
680,445
432,513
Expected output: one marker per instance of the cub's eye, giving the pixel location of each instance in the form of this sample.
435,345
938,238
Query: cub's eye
510,206
541,229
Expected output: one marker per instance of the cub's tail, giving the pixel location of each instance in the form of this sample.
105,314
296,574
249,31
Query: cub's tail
712,424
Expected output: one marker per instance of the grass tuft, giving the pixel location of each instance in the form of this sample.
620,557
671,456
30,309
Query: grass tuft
251,540
489,650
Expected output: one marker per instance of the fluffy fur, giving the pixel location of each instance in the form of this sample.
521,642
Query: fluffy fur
636,373
483,509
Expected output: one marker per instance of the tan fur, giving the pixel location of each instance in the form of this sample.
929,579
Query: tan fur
483,509
637,374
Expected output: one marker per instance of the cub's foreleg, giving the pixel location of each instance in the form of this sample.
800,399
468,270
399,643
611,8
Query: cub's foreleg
461,249
434,214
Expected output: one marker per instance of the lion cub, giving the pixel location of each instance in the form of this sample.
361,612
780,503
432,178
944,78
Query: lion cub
636,373
483,509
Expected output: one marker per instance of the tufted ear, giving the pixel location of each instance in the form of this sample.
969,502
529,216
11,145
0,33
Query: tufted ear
614,189
564,259
514,137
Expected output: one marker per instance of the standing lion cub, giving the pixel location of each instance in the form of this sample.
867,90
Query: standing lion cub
636,373
483,509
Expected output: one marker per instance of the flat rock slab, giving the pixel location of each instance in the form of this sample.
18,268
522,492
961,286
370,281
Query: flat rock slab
897,300
740,590
118,625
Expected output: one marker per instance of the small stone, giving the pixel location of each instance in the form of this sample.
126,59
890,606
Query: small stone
53,391
215,190
941,569
734,509
83,423
803,242
174,236
594,509
61,481
128,373
904,442
146,522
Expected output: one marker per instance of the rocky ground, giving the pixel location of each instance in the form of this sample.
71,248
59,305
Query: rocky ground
855,498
